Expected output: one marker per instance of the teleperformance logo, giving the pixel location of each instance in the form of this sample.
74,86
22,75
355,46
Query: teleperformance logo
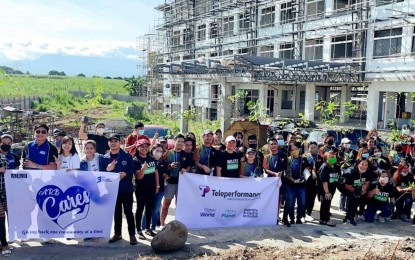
229,195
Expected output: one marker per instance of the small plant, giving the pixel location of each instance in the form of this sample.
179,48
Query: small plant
328,112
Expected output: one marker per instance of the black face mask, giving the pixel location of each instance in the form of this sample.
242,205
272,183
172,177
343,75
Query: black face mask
5,147
330,142
399,149
253,146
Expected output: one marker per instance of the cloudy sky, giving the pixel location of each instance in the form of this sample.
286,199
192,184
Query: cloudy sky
94,37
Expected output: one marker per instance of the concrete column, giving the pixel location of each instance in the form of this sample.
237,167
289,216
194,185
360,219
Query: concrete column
225,112
372,109
346,95
184,127
409,107
390,107
310,99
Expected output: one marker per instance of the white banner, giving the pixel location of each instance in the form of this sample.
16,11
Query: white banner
60,204
207,202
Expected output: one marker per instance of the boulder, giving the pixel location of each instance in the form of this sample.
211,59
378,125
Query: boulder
171,238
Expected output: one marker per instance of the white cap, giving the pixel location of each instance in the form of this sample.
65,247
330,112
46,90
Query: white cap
345,140
230,138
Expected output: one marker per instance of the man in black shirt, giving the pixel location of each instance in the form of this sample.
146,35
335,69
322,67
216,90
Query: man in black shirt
99,138
229,160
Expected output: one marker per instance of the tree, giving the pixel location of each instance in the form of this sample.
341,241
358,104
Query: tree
136,86
53,73
81,75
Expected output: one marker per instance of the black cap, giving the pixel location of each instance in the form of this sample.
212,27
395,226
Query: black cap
162,139
42,126
114,136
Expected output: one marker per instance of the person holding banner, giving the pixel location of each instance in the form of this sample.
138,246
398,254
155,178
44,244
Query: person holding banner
68,156
250,167
6,142
205,155
178,162
328,177
116,160
146,185
229,160
275,164
5,249
91,160
40,154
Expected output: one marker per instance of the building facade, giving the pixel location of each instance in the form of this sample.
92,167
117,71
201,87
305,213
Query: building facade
201,45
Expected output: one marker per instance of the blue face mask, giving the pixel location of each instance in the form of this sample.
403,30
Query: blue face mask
58,143
280,142
141,131
365,155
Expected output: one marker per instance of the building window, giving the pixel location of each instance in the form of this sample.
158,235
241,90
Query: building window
287,97
228,26
315,7
185,36
286,14
387,42
243,51
267,17
266,51
176,38
314,49
175,90
176,58
286,51
270,103
188,57
341,47
201,32
244,21
227,52
213,30
251,95
342,4
214,54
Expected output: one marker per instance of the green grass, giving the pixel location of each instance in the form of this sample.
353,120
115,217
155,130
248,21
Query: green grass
33,85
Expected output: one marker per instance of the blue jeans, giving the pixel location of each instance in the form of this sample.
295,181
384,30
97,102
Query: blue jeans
156,211
371,212
404,205
297,193
286,196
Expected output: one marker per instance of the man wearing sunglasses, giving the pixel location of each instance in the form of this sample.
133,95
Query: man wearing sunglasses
39,154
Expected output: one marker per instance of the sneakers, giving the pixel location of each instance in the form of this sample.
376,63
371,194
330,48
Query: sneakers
150,233
141,235
309,218
114,239
387,219
133,240
327,223
286,223
352,221
380,219
404,218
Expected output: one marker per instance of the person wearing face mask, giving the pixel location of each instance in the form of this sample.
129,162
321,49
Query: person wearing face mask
379,161
363,153
314,161
249,167
347,156
281,143
328,177
58,139
296,184
99,138
396,155
329,145
131,139
357,183
240,147
253,143
380,195
402,179
372,134
6,142
5,249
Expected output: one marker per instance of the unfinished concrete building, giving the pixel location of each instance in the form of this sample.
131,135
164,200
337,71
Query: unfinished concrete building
288,54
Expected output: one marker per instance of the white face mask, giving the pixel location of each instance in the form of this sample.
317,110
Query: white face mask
383,180
347,145
100,131
157,155
280,142
404,173
378,154
375,137
141,131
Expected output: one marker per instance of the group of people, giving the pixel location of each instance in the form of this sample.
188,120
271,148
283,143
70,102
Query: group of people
371,184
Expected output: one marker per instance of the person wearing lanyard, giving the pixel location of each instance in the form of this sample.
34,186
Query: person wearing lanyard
250,167
6,142
274,165
90,162
40,154
178,162
204,156
68,156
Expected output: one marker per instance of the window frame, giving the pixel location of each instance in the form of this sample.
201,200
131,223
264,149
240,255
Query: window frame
201,32
313,44
347,41
391,38
267,18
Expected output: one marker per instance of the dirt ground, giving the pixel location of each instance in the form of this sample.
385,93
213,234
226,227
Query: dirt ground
364,249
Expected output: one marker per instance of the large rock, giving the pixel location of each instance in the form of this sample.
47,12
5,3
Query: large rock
171,238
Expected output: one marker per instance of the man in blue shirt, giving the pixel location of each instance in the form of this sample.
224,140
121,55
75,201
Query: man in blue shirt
40,154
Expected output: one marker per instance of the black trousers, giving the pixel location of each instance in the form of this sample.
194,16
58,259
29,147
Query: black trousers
325,208
352,204
3,231
124,201
310,195
145,199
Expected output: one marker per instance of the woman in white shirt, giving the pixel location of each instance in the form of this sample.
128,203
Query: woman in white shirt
68,156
